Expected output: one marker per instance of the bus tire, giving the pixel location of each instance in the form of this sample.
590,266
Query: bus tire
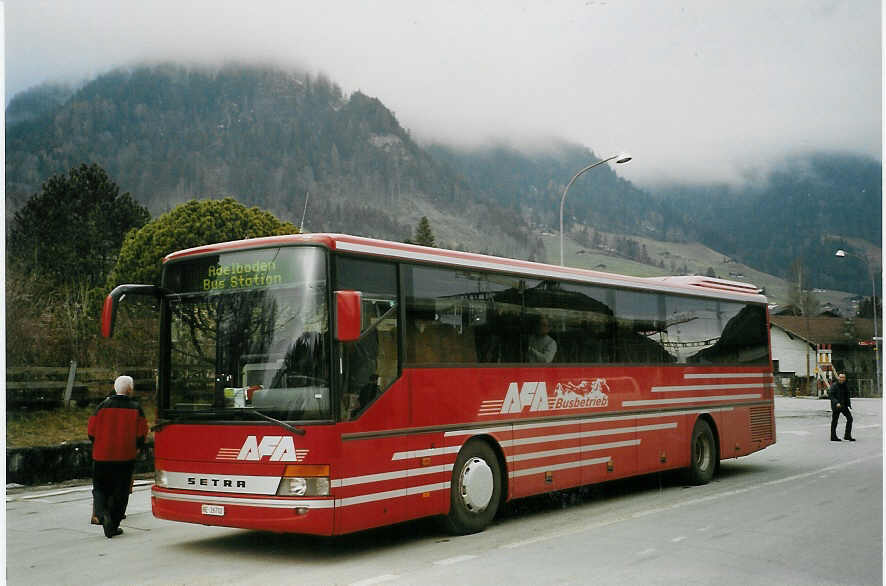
703,456
475,491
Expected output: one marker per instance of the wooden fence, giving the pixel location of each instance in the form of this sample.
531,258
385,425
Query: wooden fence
42,387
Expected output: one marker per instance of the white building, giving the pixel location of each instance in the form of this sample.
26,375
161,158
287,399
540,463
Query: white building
849,348
791,353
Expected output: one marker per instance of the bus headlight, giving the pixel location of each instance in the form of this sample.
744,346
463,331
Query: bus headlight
305,480
161,479
298,486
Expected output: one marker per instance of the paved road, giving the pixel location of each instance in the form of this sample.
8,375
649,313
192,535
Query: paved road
804,511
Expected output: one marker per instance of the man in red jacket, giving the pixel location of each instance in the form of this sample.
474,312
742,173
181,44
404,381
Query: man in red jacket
117,431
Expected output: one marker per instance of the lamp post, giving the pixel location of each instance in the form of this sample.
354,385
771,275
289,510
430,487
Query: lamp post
619,158
842,254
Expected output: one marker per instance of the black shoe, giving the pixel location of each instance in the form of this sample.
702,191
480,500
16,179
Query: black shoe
835,439
110,530
849,439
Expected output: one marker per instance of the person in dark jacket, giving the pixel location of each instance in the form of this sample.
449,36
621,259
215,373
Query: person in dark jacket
838,393
117,431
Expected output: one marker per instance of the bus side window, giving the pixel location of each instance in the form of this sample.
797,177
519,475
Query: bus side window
455,316
369,365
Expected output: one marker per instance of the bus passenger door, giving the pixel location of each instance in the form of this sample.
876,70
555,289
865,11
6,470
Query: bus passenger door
372,480
428,471
374,406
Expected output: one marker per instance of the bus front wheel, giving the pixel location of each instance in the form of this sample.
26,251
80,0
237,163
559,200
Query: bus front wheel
703,454
475,489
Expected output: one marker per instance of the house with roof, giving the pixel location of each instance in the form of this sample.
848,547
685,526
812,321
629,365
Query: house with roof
808,351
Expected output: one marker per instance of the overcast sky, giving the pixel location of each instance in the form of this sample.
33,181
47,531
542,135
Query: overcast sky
695,90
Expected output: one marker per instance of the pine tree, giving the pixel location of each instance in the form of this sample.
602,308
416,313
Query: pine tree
423,234
73,229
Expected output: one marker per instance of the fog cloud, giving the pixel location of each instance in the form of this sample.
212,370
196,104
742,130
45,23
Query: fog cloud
695,90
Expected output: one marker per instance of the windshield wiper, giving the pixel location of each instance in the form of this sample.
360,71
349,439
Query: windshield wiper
161,423
283,424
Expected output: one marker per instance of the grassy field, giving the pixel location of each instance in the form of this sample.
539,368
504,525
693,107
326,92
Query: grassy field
54,426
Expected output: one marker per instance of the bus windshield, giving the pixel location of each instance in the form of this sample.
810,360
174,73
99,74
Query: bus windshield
248,331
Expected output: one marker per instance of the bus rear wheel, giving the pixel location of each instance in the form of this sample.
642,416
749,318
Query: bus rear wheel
703,454
475,490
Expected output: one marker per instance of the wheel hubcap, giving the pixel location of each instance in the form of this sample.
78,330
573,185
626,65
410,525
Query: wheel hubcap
476,484
702,454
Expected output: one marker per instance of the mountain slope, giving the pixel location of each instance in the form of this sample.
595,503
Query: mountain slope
802,212
281,139
267,137
534,181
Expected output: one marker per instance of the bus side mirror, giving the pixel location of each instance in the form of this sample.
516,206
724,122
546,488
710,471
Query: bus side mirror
348,315
109,309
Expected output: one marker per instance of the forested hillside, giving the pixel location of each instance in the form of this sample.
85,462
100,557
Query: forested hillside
534,180
278,139
803,211
267,137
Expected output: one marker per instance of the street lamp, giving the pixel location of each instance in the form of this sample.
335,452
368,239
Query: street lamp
619,158
842,254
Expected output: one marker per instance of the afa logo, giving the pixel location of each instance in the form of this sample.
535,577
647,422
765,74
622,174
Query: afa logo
532,395
567,395
278,448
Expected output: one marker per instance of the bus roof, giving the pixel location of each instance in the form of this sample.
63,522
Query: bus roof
691,285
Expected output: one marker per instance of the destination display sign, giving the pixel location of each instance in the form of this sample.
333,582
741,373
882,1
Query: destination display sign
242,276
253,269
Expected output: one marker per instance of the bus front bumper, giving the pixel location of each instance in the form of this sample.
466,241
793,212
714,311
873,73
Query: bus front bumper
280,515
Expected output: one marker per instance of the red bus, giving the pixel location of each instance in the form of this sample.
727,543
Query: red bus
325,383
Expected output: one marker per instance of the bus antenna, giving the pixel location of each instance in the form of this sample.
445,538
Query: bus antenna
302,227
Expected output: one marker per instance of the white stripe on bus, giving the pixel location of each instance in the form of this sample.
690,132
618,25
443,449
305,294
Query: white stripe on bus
729,375
508,427
541,439
686,400
564,466
573,450
707,387
424,453
412,472
390,494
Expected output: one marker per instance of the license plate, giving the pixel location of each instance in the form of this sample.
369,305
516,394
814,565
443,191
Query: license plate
216,510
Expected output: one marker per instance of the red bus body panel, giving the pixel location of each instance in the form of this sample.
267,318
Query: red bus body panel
395,463
553,427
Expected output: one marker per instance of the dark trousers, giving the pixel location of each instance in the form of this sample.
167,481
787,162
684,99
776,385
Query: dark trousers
835,415
110,489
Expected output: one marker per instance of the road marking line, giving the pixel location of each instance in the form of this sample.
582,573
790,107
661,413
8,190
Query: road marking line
793,432
376,580
455,560
679,539
737,491
600,524
647,551
561,534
